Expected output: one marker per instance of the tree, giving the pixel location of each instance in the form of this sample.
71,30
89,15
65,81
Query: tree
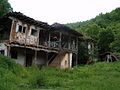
5,7
93,31
83,53
106,37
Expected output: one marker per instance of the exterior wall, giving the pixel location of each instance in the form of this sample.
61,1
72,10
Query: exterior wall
41,58
20,37
30,39
67,61
70,59
3,47
62,60
57,60
20,56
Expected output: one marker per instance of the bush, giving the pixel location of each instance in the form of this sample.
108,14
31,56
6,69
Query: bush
37,81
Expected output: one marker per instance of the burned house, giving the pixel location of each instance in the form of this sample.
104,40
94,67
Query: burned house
29,42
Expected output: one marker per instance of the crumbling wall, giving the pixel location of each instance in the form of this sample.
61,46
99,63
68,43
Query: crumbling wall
20,38
67,61
3,49
19,55
21,58
62,60
23,37
41,58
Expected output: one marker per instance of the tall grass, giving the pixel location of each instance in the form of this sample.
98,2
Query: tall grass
100,76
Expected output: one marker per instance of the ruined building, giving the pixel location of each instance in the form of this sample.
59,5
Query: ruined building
29,42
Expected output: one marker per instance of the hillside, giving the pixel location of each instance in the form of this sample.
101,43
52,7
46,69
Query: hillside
101,21
104,29
100,76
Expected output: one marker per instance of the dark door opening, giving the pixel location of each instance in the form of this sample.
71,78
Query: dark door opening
29,58
2,52
14,54
74,60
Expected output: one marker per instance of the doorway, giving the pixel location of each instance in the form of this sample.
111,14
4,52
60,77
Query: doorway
74,60
29,58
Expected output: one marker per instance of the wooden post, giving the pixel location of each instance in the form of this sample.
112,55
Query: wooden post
69,60
47,59
77,50
49,40
25,57
76,58
38,37
77,44
69,42
36,47
8,52
35,57
60,40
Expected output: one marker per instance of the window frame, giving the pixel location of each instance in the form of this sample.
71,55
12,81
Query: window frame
36,32
22,28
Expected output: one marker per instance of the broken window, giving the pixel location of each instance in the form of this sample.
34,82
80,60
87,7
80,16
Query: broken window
2,52
34,32
24,29
14,54
21,29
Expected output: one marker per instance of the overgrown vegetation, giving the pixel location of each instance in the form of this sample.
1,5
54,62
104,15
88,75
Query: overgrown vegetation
5,7
104,29
100,76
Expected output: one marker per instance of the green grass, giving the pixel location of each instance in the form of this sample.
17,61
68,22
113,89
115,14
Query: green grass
100,76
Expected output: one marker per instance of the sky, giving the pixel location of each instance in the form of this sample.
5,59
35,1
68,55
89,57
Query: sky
63,11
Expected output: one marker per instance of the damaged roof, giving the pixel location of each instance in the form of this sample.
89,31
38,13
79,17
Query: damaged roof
58,26
55,26
27,19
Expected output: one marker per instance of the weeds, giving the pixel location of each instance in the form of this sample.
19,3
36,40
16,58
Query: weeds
100,76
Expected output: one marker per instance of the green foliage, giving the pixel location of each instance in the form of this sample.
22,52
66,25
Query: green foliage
5,7
100,76
106,37
11,74
93,31
83,53
98,29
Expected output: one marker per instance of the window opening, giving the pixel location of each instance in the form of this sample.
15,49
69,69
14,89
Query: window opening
14,54
34,32
24,29
20,28
2,52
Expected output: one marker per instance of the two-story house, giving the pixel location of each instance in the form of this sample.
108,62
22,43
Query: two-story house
29,41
